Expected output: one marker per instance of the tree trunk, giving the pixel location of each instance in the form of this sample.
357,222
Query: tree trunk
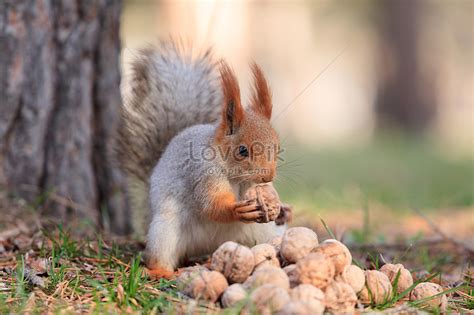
405,98
60,95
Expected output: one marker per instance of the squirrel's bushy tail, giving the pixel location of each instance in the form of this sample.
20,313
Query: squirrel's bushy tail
169,90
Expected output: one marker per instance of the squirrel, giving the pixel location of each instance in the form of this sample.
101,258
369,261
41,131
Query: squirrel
188,138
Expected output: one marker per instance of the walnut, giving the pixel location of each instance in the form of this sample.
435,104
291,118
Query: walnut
267,299
337,252
377,288
276,243
292,274
353,276
267,198
315,269
425,290
234,294
311,296
296,308
268,275
340,298
187,274
265,255
192,269
234,261
297,242
202,284
405,280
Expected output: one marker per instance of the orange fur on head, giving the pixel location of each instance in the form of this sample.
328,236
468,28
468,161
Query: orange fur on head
233,112
262,97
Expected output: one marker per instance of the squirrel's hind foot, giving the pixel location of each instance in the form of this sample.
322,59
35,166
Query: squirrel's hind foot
158,273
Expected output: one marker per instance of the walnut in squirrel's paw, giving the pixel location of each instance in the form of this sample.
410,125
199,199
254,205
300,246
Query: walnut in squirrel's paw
266,198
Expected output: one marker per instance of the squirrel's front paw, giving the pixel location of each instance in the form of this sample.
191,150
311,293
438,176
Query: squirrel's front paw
285,215
248,211
267,198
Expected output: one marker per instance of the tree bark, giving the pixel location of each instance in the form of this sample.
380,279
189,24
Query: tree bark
60,95
405,99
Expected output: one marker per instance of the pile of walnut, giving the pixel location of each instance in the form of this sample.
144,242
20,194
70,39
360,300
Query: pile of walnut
315,278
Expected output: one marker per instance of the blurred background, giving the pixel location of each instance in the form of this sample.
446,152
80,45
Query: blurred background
373,100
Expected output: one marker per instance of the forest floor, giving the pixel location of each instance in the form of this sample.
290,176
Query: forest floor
45,268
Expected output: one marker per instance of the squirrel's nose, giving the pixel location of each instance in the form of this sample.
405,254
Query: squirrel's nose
268,177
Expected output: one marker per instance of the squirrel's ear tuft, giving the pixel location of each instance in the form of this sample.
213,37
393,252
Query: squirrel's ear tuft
262,97
233,112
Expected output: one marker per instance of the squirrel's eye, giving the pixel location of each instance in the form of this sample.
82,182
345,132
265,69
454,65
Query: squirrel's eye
243,151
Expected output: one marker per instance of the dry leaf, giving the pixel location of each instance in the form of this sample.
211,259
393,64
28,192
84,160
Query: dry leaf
120,293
